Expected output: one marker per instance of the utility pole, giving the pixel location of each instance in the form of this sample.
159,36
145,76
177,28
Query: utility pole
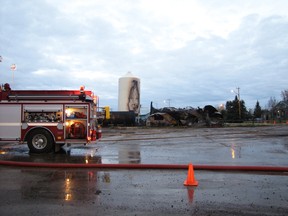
168,100
239,103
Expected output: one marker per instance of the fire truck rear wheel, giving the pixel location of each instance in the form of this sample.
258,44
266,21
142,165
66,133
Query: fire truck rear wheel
40,141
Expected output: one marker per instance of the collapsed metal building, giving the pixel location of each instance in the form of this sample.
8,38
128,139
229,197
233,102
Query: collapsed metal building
189,116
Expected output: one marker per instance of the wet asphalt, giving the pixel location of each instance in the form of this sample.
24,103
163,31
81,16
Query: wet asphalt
90,191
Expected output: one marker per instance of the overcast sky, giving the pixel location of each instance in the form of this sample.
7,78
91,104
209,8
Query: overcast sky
190,52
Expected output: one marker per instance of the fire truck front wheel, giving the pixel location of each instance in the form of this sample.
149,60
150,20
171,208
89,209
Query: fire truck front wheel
40,141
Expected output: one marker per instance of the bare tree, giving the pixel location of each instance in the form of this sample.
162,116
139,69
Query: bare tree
271,103
284,95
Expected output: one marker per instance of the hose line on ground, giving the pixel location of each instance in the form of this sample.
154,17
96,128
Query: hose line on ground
147,166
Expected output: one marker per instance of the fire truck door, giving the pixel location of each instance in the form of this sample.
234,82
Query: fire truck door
10,122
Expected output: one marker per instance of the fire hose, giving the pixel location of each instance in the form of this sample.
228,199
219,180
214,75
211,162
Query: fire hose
147,166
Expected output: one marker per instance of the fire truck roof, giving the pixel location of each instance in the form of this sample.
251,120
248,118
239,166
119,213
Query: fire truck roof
8,94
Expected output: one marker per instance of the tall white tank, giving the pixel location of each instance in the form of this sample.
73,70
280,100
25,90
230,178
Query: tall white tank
129,93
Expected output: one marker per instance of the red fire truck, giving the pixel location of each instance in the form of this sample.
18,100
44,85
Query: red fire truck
47,119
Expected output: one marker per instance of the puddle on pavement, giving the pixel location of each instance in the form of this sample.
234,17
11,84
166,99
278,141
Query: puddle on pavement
122,154
63,185
215,148
65,155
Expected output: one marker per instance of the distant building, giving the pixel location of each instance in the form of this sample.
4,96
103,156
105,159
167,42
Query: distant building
280,111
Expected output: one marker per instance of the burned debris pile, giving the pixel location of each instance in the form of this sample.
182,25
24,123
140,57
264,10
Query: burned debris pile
189,116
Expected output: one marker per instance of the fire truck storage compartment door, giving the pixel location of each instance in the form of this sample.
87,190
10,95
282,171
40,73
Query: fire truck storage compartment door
10,121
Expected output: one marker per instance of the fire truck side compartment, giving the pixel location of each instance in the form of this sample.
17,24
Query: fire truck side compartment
10,116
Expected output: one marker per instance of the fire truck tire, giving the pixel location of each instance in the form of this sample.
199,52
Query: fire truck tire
40,141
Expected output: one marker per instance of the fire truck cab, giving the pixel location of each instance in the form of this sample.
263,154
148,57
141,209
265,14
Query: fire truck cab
47,119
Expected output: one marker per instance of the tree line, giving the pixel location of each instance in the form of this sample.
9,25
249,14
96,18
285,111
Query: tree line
236,111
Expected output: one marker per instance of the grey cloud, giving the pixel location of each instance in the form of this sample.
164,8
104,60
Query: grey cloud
38,36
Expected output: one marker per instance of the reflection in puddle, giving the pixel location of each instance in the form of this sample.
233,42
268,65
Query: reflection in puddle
190,194
65,155
64,185
129,155
92,154
106,177
68,195
235,151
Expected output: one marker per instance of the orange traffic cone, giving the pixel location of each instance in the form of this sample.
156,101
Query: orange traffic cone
190,181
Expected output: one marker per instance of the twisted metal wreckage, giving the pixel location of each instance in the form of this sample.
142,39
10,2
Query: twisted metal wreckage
189,116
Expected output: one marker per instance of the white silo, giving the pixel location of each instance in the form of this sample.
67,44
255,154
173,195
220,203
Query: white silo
129,93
